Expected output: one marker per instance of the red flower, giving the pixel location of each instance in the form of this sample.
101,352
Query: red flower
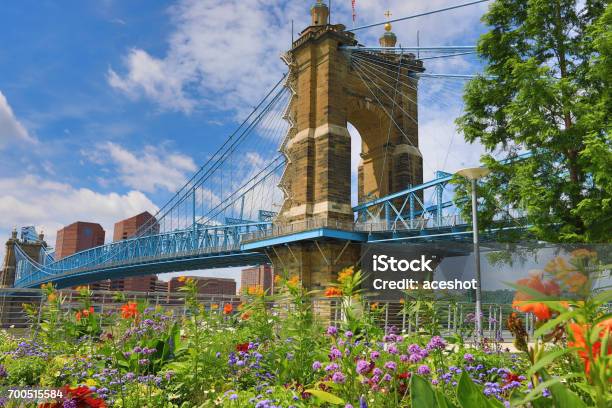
78,315
510,377
403,376
129,310
82,396
242,347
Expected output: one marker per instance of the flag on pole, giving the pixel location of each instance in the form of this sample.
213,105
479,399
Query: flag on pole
353,4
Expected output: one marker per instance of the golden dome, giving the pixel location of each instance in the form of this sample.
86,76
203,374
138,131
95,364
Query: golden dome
388,27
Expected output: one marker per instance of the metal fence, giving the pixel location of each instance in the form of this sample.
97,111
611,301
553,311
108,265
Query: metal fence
451,318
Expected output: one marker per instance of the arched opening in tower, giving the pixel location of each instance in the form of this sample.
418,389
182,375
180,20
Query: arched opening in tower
355,161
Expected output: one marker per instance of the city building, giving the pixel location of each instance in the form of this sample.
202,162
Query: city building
77,237
126,229
130,226
261,276
206,285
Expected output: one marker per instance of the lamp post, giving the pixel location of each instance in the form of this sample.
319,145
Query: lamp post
474,174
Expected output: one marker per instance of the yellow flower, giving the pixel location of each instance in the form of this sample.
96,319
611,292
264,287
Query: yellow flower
181,279
294,281
345,274
277,279
255,290
214,306
52,297
90,382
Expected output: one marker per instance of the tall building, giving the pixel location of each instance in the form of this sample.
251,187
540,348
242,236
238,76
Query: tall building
126,229
261,276
206,285
77,237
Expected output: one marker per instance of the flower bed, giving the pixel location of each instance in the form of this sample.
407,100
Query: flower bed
255,355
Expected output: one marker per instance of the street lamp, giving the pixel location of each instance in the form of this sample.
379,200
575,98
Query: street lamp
473,174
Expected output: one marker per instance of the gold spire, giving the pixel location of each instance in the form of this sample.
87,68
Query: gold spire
388,25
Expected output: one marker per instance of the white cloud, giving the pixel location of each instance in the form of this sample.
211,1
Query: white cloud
150,170
50,205
11,129
225,52
154,78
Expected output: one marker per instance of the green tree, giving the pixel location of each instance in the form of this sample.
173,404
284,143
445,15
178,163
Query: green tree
545,89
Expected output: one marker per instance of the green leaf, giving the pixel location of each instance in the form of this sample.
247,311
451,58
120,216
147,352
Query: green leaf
326,397
421,393
547,359
562,396
442,400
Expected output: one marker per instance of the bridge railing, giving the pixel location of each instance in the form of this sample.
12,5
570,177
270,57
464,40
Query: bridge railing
198,240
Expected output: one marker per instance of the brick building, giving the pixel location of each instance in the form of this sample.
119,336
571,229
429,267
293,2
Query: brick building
78,237
126,229
207,285
261,276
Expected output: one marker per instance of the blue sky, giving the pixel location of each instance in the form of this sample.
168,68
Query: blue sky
106,107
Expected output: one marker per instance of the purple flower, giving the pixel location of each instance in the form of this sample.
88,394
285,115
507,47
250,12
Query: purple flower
390,365
331,367
387,377
392,349
436,343
143,361
69,404
316,366
335,353
349,334
363,366
3,373
423,370
362,402
137,349
404,358
338,377
377,372
348,406
468,357
374,355
332,331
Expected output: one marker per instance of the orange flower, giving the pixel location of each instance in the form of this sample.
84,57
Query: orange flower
78,315
277,279
245,316
51,297
129,310
214,306
374,306
333,292
345,274
294,281
228,308
255,290
546,288
402,301
579,333
540,310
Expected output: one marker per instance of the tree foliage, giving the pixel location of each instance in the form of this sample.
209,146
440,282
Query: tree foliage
546,89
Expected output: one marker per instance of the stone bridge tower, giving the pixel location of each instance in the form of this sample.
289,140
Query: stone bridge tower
329,92
9,267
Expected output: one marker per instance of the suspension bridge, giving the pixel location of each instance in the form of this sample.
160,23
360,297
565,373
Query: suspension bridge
278,189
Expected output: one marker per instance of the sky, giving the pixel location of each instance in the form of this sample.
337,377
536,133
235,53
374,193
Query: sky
107,107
